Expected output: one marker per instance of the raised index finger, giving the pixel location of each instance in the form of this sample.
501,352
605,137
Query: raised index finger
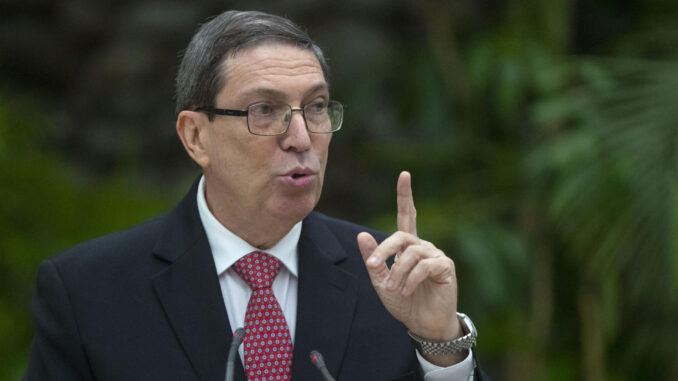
407,214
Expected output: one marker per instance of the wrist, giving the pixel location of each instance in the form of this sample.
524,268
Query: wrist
447,351
451,331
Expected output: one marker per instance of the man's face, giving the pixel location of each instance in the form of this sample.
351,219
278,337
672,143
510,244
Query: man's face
269,178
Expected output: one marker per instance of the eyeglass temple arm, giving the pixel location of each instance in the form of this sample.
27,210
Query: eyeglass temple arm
220,111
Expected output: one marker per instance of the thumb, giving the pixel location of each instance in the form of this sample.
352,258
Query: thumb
375,267
367,244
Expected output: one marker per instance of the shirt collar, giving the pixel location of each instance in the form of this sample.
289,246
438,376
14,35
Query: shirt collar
227,247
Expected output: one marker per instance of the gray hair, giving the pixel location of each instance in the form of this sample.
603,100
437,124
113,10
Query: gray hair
201,73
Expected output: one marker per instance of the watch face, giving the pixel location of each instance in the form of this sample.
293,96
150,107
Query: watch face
467,325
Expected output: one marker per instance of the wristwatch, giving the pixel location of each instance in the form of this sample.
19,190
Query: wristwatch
448,347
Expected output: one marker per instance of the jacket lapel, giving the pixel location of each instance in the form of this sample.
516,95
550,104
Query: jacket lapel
189,292
327,297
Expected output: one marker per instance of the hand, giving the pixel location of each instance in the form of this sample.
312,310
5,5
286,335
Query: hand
420,288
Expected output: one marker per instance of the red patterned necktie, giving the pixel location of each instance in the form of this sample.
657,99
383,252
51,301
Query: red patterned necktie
268,346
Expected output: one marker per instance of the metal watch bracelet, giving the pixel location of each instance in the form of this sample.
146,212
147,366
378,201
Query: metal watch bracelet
448,347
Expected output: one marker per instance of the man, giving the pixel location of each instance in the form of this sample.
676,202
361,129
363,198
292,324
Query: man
245,249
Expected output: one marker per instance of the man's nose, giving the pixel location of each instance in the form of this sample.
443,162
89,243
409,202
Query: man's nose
297,137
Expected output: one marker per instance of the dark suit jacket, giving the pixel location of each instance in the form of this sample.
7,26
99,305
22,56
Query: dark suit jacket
145,304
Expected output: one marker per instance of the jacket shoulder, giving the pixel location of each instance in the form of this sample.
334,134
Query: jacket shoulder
112,248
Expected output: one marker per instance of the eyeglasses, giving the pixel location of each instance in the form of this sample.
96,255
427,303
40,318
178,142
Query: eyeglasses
268,119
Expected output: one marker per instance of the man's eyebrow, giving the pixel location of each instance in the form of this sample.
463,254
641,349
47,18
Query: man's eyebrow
319,87
264,91
275,93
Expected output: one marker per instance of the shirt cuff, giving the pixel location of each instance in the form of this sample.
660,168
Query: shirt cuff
462,371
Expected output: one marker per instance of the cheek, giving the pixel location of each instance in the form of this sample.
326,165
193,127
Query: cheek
258,160
322,148
236,151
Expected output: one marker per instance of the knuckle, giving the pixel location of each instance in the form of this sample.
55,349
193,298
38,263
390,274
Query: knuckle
401,235
449,264
429,263
412,250
421,272
414,274
395,269
421,252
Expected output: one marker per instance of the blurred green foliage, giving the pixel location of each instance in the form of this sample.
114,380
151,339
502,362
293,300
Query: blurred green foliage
542,138
47,207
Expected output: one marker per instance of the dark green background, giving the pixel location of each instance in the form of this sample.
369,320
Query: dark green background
542,138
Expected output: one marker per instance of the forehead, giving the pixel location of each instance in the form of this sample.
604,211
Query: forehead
272,67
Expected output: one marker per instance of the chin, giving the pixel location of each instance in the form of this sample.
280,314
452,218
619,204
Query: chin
295,209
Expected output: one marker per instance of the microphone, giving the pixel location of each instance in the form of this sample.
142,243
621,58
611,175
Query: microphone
319,362
238,336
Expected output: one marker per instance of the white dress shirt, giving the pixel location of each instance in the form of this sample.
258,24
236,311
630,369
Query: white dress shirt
227,248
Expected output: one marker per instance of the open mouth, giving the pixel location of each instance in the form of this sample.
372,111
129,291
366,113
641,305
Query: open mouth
299,177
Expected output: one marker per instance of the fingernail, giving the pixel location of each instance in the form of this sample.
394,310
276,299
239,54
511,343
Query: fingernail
404,291
372,261
390,284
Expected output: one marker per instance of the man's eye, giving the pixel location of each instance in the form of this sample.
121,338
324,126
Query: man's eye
317,107
262,109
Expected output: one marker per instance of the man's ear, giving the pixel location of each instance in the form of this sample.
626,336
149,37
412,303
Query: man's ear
191,130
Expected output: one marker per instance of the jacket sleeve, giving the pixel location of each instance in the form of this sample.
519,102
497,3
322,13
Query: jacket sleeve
479,375
57,352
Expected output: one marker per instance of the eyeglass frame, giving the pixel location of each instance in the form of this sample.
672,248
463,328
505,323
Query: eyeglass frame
245,113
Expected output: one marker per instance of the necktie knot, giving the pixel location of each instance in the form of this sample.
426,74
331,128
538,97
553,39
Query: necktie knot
258,269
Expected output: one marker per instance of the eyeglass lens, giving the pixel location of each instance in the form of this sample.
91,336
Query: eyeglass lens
269,119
